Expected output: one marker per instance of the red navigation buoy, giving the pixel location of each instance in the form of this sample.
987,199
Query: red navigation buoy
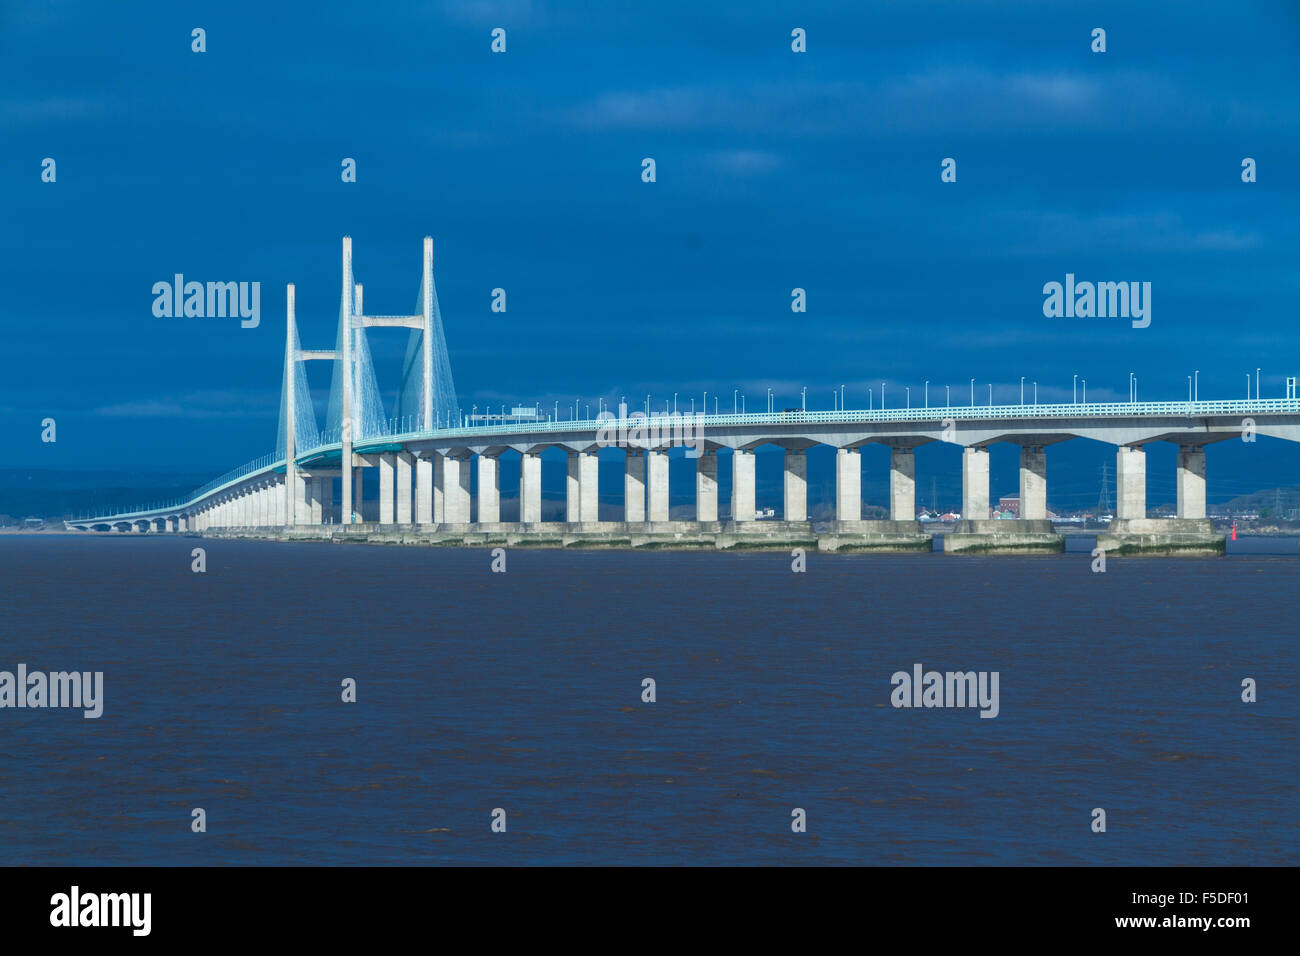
1234,531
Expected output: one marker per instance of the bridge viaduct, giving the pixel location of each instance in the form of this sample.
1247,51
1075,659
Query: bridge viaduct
423,465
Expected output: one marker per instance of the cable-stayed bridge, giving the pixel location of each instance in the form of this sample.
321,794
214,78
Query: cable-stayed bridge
424,451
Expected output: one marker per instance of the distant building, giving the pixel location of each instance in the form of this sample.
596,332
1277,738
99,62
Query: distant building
1009,504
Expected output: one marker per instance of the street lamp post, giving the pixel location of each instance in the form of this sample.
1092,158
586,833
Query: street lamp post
972,393
1256,384
948,399
734,406
1022,390
927,393
1076,388
1196,385
804,398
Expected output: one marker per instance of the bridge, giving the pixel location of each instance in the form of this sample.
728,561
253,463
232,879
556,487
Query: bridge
423,454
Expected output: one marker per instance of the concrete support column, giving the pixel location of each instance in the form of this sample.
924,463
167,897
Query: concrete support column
589,491
795,501
279,504
1033,482
742,485
1191,481
975,483
572,489
456,490
302,488
489,489
902,484
1130,482
323,508
387,476
706,486
439,488
402,508
848,484
657,484
530,487
423,490
358,493
634,486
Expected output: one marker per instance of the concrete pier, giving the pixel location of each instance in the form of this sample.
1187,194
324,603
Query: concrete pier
530,488
1191,482
402,507
1033,483
634,487
1031,533
743,505
1190,534
657,484
387,475
902,485
572,490
795,486
424,490
848,484
489,489
588,487
439,463
456,490
706,486
975,483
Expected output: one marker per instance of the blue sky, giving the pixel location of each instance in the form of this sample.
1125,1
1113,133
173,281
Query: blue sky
775,170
